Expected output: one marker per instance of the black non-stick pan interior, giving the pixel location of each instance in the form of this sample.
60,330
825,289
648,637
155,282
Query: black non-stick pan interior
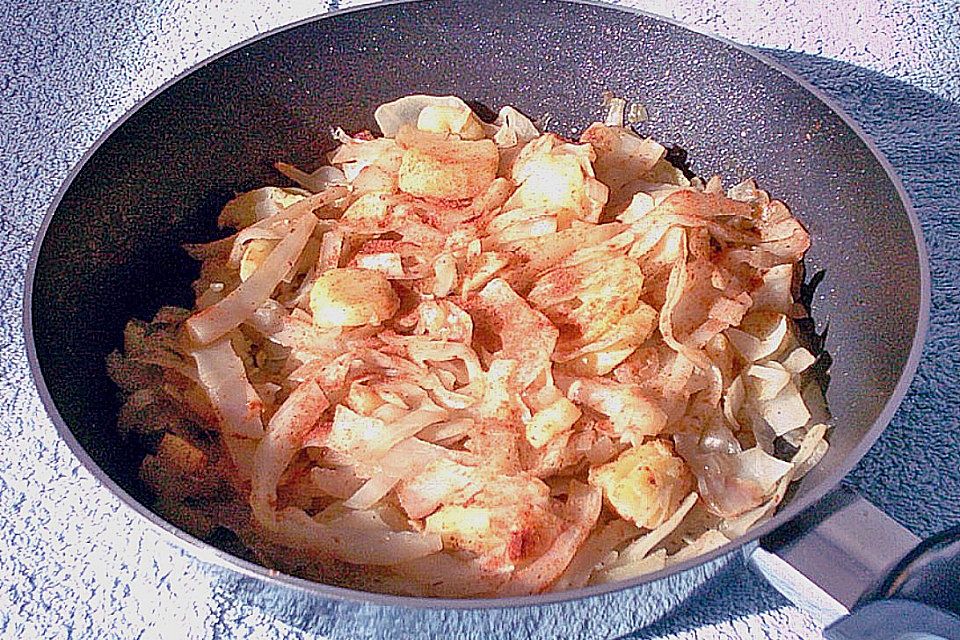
111,250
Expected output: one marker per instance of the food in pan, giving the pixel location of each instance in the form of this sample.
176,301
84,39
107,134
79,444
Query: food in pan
473,359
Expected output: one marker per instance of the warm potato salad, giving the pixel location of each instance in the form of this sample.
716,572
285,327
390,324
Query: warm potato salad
471,359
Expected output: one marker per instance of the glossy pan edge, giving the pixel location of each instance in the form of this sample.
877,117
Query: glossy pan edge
221,558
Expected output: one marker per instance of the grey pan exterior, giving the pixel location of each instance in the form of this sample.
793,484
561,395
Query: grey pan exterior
108,246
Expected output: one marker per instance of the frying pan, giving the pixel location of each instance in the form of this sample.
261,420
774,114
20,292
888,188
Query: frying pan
109,250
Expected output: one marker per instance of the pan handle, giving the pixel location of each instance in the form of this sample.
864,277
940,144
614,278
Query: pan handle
863,575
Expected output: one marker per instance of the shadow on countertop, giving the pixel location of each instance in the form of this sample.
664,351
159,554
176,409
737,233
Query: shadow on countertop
911,471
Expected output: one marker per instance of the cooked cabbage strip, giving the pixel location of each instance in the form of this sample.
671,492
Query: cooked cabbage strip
209,324
224,379
285,435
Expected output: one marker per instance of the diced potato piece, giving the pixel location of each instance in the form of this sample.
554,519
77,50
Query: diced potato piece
362,399
253,256
551,420
645,484
552,182
351,298
511,519
447,119
372,179
437,166
461,526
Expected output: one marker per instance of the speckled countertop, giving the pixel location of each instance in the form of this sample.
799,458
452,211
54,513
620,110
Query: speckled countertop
73,564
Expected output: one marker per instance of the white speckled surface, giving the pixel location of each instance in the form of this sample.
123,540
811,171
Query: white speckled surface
74,565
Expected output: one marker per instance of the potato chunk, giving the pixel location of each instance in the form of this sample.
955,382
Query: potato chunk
555,418
439,166
447,119
510,520
644,484
352,298
254,255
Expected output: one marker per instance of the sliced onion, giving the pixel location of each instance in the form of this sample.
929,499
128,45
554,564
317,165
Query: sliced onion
633,414
250,207
812,448
798,361
448,576
514,128
653,562
733,401
241,451
331,248
581,512
747,191
600,543
705,543
404,460
248,235
445,270
443,481
408,426
372,491
616,109
354,434
445,432
622,156
776,292
339,483
534,228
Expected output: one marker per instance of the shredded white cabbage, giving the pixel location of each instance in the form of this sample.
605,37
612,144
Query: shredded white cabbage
479,360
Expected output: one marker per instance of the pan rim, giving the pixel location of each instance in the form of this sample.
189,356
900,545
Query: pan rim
213,555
